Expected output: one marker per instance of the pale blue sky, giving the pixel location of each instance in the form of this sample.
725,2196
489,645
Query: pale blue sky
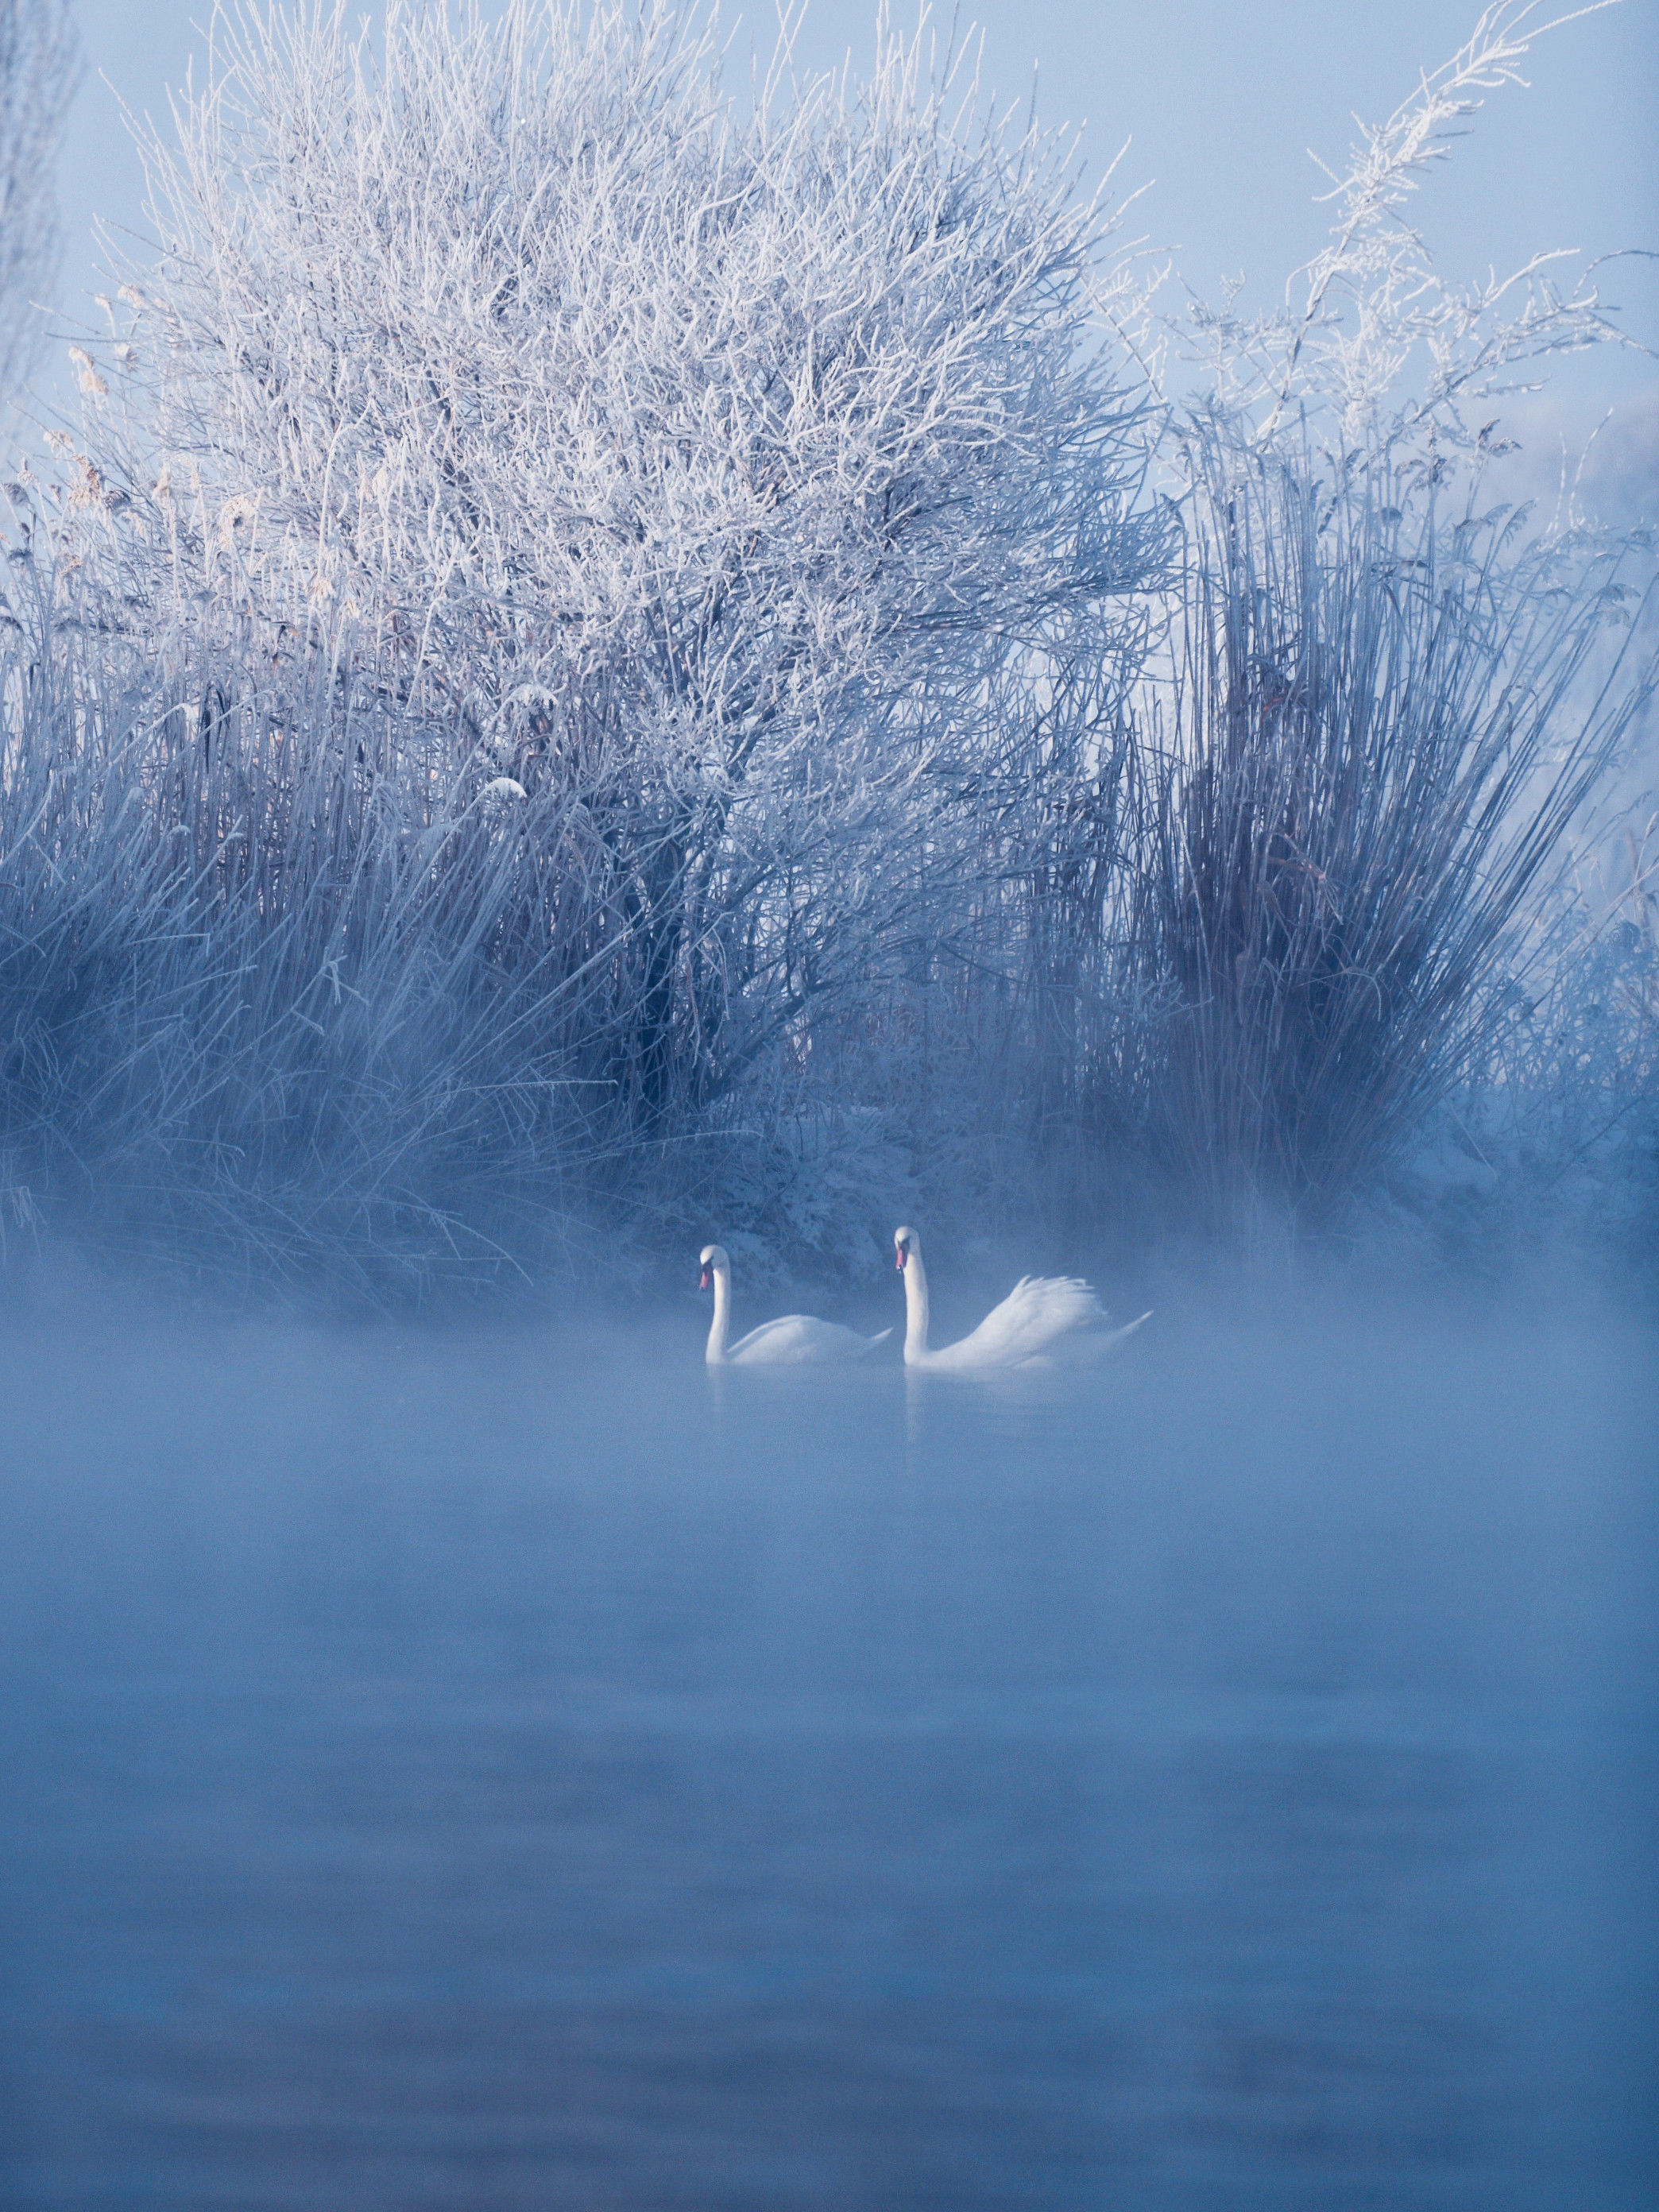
1220,103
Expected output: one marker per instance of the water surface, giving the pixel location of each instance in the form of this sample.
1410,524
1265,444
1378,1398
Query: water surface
498,1770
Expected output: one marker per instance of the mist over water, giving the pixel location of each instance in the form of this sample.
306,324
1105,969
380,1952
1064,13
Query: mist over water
517,1768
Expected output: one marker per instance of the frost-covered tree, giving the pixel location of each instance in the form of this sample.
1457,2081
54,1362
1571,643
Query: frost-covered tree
37,78
565,577
691,469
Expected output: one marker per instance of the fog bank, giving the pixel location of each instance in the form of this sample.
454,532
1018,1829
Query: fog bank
516,1766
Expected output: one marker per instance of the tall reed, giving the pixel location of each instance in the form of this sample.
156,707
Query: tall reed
1380,722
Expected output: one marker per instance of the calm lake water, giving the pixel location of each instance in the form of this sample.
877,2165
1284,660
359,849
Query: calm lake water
463,1773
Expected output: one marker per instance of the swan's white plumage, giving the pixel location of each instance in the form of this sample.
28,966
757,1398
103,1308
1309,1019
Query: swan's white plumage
792,1341
1045,1320
797,1338
1084,1347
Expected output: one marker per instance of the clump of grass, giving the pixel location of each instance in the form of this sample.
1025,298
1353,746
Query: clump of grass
261,1004
1381,721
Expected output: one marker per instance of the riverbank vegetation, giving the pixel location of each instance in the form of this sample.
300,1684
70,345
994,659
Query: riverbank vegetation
607,659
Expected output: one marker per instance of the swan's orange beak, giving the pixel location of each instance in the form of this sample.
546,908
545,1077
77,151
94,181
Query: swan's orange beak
705,1278
902,1255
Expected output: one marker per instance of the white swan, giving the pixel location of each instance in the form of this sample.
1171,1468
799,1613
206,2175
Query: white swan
795,1340
1043,1320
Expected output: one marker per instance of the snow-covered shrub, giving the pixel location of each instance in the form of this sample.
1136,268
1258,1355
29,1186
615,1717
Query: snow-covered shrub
530,617
701,467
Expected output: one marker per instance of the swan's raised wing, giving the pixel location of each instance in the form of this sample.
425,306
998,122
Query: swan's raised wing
1037,1310
799,1340
1086,1346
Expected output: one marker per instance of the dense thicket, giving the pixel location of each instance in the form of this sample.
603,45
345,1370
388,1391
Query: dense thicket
604,653
1378,729
538,607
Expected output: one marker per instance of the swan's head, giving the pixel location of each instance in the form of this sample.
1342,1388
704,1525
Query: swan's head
711,1257
905,1241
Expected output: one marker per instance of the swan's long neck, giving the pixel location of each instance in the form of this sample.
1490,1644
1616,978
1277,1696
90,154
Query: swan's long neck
716,1354
916,1308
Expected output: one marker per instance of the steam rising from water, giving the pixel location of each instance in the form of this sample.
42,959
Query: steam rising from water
491,1770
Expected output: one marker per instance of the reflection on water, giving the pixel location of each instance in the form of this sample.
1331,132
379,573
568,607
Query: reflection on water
484,1773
